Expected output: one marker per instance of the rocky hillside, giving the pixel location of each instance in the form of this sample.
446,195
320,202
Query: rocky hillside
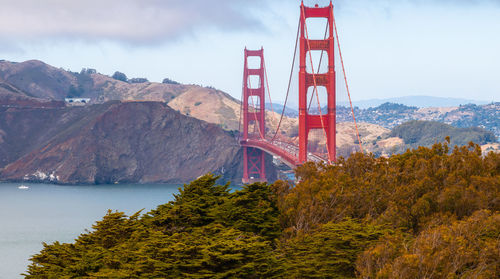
112,142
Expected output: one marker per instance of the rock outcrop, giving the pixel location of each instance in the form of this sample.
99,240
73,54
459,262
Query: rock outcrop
114,142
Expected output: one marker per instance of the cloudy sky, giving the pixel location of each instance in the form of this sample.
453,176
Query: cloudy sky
448,48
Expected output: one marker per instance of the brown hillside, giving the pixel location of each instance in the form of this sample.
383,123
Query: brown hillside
37,79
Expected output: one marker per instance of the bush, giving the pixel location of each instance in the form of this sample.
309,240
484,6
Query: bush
74,91
460,249
119,76
169,81
88,71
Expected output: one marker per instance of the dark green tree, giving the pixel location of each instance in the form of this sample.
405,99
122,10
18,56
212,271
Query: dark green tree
119,76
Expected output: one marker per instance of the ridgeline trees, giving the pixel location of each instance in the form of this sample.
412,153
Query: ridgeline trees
169,81
120,76
426,213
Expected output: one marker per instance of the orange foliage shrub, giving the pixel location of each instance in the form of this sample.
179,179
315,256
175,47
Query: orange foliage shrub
442,208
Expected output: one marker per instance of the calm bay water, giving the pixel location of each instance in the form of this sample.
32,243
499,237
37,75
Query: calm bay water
46,213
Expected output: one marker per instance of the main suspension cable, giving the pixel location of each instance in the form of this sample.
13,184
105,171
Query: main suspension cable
289,82
267,85
346,84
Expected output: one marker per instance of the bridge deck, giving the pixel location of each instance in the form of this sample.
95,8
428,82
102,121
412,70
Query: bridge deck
288,153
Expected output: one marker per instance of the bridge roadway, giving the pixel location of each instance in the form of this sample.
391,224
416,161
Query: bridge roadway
288,153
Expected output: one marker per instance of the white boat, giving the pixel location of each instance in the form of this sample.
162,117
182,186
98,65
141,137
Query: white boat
23,187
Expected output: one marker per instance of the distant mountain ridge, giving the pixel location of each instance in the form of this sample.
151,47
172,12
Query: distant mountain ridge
420,101
278,108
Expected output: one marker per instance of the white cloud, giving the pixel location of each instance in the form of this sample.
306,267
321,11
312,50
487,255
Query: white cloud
144,22
129,21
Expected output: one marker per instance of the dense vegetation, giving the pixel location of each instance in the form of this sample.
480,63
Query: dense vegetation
425,133
426,213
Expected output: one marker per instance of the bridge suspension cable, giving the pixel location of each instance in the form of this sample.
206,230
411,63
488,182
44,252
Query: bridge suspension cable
346,84
267,85
289,82
262,132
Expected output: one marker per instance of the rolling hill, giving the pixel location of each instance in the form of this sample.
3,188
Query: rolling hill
38,90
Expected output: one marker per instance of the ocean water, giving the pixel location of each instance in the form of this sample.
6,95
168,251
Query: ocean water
46,213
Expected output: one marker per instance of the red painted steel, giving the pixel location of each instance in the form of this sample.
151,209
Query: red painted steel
285,151
326,121
253,158
254,144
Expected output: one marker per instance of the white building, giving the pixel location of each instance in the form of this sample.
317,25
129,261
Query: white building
77,101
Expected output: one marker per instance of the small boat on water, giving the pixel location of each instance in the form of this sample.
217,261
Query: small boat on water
23,187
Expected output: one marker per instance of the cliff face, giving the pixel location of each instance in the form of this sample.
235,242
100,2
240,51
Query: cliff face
112,142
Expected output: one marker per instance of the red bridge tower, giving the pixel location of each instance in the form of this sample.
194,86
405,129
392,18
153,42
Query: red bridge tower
253,142
326,120
253,158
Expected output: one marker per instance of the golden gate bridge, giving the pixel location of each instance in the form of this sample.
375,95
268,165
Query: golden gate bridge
256,142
